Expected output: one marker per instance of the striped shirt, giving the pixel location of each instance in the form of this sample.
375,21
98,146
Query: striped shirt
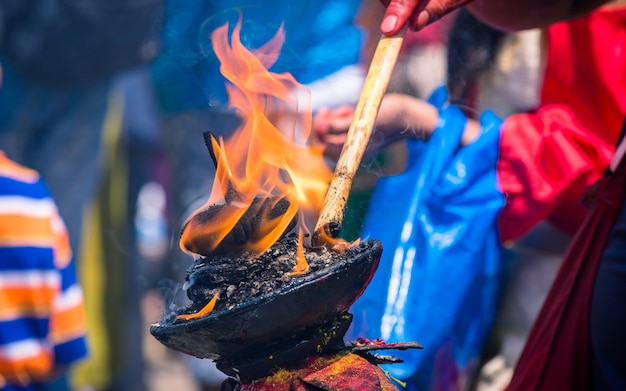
42,315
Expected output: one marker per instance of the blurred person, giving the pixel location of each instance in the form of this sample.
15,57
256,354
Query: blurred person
600,298
62,59
569,141
486,68
506,15
503,72
43,323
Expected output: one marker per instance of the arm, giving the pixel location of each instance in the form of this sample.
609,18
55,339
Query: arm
400,116
522,15
547,161
68,323
35,250
503,14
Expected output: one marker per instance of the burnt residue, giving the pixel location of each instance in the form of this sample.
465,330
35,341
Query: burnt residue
258,303
261,217
245,277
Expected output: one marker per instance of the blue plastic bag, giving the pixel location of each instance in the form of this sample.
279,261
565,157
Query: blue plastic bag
440,273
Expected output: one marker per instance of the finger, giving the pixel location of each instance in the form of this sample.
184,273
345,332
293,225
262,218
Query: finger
339,126
335,139
320,121
397,15
432,11
334,121
343,111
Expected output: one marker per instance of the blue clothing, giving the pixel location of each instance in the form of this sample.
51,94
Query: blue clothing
43,322
321,38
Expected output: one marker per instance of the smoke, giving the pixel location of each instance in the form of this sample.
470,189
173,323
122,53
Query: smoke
173,295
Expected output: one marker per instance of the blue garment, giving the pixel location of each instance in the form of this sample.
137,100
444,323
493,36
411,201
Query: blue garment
439,277
42,322
321,38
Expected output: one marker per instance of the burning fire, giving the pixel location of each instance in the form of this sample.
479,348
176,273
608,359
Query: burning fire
267,161
204,311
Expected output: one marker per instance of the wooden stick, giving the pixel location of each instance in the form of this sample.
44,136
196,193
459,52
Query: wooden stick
375,86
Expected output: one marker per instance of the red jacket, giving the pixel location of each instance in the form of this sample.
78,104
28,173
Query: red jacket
551,156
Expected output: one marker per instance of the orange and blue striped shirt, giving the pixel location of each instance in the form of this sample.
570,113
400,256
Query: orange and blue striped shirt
42,314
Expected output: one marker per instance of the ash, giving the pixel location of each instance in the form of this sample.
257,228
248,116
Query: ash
240,278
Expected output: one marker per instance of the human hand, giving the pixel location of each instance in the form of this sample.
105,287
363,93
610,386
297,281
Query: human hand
417,13
330,126
399,116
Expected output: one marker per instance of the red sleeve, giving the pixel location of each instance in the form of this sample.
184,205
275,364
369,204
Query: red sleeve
547,161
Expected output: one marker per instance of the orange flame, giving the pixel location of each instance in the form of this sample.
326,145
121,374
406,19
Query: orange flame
302,266
207,309
336,244
268,156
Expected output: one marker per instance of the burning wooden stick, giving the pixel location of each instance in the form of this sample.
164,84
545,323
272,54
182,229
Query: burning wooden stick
375,86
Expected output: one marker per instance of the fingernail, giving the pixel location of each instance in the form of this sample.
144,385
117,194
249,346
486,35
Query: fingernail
423,18
389,24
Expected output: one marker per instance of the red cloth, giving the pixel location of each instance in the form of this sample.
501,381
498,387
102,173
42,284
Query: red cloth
339,372
351,372
550,157
557,353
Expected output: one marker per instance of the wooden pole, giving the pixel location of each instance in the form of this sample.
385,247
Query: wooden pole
374,88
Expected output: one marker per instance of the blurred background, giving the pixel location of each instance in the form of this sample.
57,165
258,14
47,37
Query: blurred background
109,99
